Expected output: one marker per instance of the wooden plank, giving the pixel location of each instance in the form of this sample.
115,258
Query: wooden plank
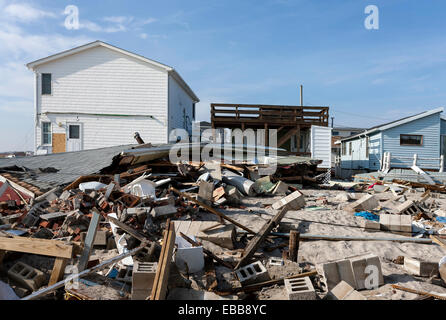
423,293
89,240
212,210
58,270
159,288
59,142
438,240
294,245
52,248
255,242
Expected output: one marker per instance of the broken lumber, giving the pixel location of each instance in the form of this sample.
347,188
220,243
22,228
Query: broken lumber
354,238
422,293
255,242
211,210
52,248
257,286
89,240
159,288
207,252
76,276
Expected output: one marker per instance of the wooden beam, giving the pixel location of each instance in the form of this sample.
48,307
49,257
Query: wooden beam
89,240
58,270
211,210
159,288
257,240
286,137
52,248
294,245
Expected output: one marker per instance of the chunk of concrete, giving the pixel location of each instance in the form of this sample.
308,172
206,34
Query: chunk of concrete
205,192
223,236
363,266
420,268
366,203
337,271
164,212
344,291
294,201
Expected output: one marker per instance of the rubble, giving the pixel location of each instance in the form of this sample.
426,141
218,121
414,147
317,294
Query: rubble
141,227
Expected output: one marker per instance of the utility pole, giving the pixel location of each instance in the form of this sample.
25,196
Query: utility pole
301,95
332,118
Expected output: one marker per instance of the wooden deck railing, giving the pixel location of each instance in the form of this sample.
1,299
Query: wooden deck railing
221,113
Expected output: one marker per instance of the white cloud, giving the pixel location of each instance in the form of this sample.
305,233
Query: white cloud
24,12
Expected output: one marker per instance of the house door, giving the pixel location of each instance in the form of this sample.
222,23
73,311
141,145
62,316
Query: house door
74,137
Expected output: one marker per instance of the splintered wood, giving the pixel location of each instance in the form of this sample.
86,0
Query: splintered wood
159,289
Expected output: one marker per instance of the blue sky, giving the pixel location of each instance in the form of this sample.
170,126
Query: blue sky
244,52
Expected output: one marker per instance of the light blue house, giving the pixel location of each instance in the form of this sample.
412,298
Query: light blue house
422,134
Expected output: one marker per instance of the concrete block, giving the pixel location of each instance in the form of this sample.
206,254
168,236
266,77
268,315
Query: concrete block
400,224
420,268
404,206
300,289
142,279
371,225
359,265
27,276
125,274
344,291
164,212
99,240
205,191
366,203
294,201
252,273
335,272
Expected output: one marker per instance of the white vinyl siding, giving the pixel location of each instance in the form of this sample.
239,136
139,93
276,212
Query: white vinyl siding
180,107
112,94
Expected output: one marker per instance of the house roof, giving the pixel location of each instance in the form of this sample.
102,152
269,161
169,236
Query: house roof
68,166
98,43
394,123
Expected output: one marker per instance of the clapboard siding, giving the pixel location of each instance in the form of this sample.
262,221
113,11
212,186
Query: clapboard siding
180,107
443,126
103,81
111,131
429,128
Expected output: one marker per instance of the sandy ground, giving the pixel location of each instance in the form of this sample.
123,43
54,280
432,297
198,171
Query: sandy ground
332,220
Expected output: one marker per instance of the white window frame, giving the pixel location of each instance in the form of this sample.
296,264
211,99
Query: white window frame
50,133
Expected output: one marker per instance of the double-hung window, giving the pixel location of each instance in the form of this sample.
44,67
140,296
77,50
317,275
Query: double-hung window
46,133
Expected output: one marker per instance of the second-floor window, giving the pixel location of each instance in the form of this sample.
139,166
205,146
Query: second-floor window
46,83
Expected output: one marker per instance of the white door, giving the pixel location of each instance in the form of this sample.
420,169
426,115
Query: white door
320,145
74,137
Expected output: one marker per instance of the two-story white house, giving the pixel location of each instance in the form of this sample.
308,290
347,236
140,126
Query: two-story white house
98,95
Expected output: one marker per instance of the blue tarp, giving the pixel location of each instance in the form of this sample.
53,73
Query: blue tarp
367,215
441,219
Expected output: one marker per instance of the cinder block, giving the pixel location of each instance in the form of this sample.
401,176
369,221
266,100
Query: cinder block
300,289
335,272
366,203
343,291
125,275
294,201
359,265
399,224
205,191
372,225
26,275
142,279
420,268
404,206
252,273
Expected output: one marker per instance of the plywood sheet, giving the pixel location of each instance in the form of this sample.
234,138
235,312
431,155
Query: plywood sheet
59,142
